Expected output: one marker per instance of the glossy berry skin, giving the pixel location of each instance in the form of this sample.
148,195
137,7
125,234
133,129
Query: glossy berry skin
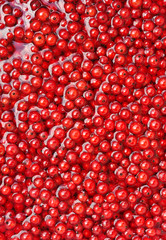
82,120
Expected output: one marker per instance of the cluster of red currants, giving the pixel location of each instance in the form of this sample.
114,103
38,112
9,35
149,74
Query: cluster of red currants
83,120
